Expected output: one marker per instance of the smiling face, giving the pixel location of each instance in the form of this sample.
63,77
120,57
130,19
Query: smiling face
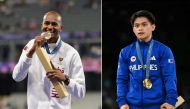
52,23
143,28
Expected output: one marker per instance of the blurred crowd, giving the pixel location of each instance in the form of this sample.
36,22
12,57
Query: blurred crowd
18,16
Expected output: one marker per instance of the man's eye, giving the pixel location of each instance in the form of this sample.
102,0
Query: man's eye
144,24
54,24
47,23
136,26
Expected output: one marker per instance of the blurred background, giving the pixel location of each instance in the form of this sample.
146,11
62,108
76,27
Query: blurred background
172,29
20,21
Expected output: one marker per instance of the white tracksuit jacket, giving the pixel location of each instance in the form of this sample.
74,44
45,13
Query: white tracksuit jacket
40,91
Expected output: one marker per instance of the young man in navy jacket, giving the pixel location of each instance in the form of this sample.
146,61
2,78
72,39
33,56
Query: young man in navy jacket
146,74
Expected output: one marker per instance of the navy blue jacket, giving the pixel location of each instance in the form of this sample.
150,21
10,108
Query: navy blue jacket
130,75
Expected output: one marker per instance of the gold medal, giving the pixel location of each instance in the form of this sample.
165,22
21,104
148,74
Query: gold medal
47,35
147,83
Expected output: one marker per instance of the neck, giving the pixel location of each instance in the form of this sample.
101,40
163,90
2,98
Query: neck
146,39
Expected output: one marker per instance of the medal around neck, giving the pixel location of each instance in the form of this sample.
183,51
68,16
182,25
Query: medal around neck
147,83
46,35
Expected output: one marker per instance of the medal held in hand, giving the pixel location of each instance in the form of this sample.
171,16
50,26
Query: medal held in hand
147,83
47,35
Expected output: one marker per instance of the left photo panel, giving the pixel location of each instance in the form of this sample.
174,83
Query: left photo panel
50,54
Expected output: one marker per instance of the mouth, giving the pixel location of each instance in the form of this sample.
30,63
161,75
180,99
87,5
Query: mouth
52,31
141,33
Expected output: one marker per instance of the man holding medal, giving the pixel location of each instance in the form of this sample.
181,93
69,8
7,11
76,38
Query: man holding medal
65,60
146,74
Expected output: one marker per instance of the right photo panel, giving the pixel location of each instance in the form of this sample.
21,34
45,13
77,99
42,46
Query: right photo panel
146,48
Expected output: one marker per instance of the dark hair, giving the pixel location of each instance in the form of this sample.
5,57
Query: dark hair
143,13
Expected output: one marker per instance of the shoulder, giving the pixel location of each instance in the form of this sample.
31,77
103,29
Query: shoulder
68,48
161,45
31,42
28,46
125,52
128,48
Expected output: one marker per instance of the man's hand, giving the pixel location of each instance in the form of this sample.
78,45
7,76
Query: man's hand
39,40
56,74
125,106
167,106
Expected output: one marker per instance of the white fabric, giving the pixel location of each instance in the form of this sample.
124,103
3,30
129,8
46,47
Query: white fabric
39,88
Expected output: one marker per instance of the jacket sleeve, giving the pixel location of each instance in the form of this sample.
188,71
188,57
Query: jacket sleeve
77,79
168,69
21,69
122,78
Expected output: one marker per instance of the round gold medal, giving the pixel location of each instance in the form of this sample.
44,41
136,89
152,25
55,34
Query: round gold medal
47,35
147,83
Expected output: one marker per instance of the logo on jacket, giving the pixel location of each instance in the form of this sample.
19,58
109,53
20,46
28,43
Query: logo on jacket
60,59
139,67
171,61
153,58
133,58
26,48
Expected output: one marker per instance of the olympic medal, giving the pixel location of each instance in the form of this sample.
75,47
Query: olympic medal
47,35
147,83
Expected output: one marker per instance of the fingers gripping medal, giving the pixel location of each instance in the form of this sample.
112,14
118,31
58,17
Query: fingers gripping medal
147,83
47,35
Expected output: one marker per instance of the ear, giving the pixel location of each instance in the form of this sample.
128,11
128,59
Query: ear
133,30
153,27
41,26
62,28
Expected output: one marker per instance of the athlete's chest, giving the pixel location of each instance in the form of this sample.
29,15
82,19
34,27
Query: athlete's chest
136,64
60,61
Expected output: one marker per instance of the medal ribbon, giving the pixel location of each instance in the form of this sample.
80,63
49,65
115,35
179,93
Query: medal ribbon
45,45
147,59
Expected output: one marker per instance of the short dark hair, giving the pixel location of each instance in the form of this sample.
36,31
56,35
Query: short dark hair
143,13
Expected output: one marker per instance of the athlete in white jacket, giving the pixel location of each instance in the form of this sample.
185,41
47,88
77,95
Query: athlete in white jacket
40,91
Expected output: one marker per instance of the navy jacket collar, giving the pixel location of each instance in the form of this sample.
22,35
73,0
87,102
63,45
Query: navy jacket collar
144,43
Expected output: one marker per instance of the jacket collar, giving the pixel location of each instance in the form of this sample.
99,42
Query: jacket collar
144,43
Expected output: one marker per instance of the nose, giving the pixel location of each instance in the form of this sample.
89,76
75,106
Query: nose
140,28
49,27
